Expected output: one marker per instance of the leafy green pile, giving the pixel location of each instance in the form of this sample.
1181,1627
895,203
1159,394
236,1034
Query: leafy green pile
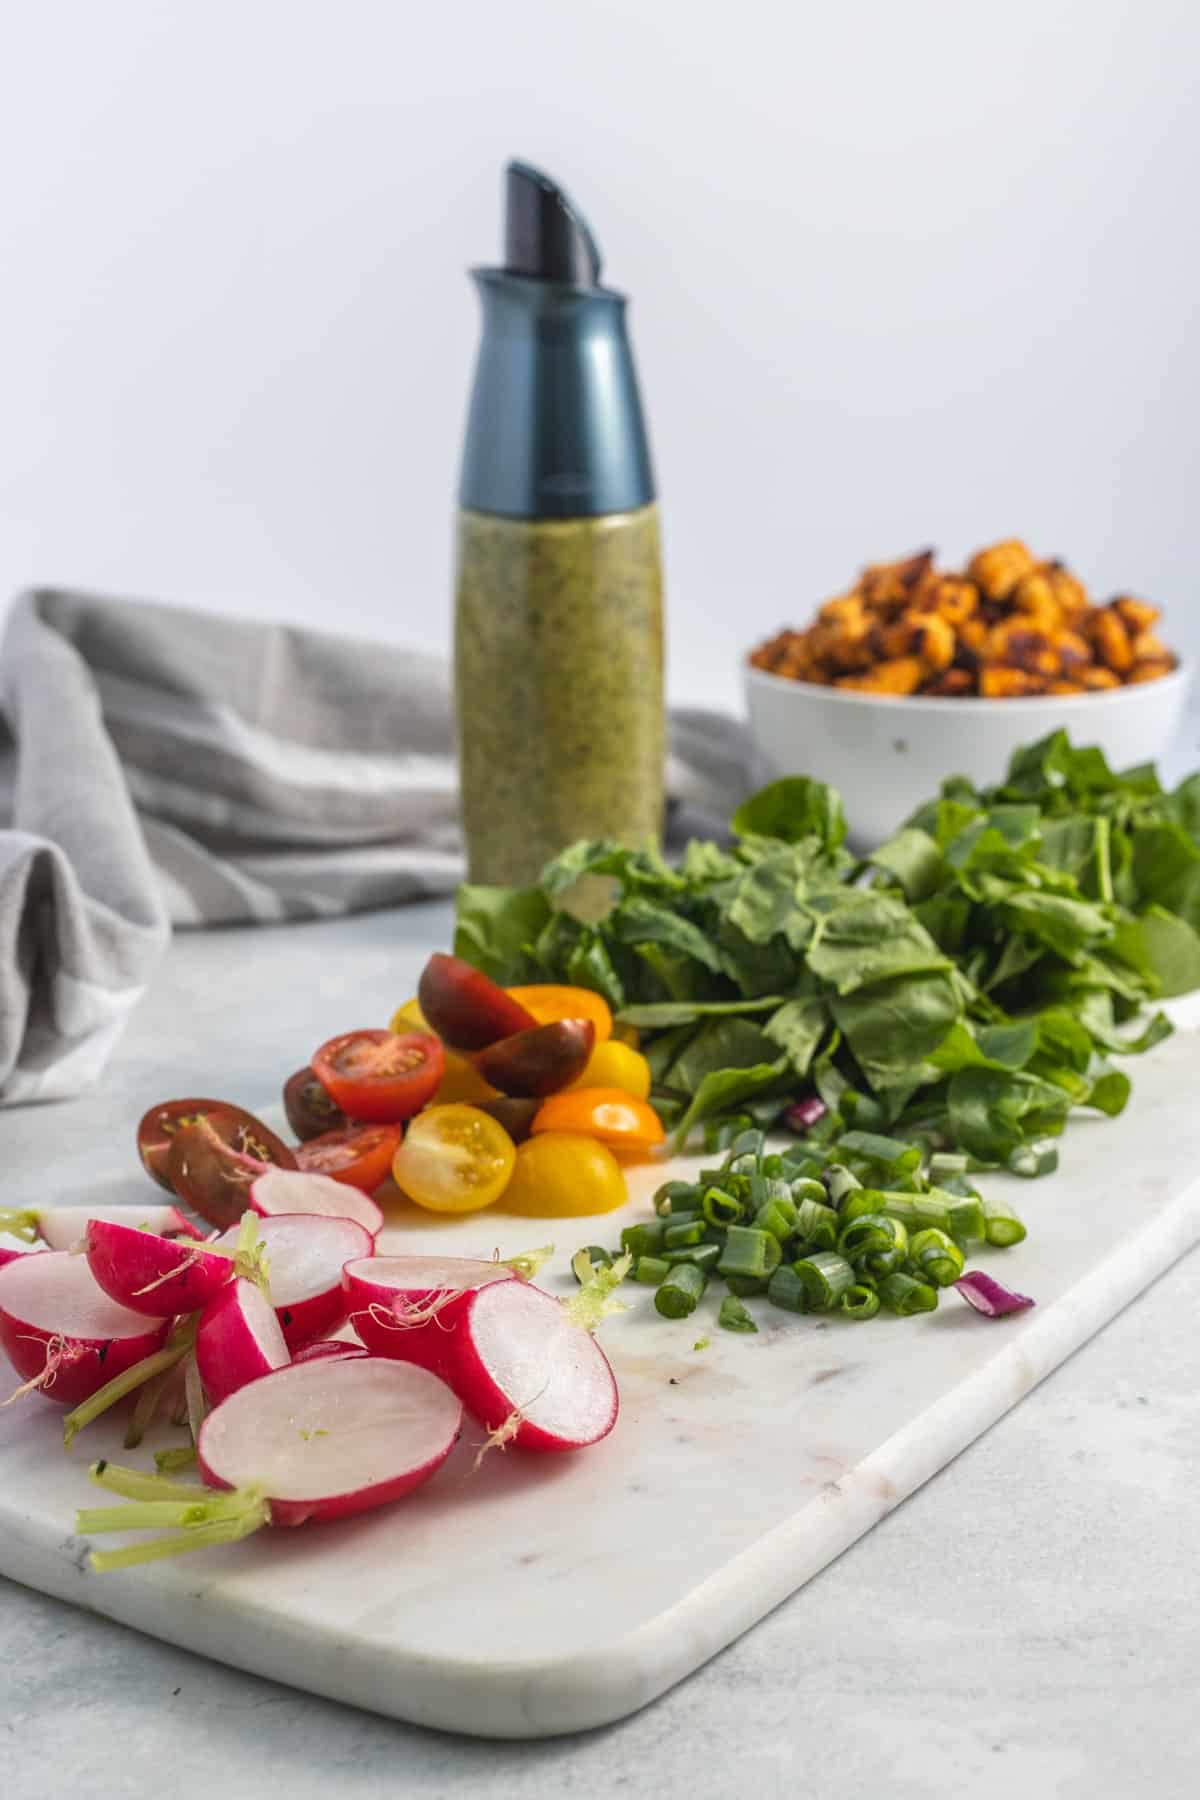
968,982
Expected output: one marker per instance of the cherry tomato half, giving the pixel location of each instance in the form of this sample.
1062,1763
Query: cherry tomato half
562,1174
310,1110
548,1003
615,1065
359,1155
158,1127
378,1076
609,1114
465,1007
213,1161
455,1159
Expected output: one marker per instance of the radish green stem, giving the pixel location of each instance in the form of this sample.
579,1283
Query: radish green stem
144,1411
528,1262
594,1303
162,1360
182,1456
204,1516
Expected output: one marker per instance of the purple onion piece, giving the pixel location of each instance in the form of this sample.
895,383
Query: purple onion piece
989,1296
802,1115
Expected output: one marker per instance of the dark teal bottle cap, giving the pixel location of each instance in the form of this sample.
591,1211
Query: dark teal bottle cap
555,427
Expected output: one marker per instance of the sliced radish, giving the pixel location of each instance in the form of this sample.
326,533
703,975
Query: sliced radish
154,1275
62,1227
407,1306
306,1253
320,1348
297,1191
11,1246
62,1332
313,1442
333,1437
522,1367
238,1340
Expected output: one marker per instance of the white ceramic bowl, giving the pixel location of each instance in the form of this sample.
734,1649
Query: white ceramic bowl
886,754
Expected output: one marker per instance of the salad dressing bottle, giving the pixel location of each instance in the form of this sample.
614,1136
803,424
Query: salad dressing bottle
558,623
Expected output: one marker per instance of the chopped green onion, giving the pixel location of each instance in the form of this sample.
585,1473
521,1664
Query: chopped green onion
650,1270
806,1187
811,1284
1001,1225
840,1182
947,1162
681,1292
676,1236
705,1256
905,1296
860,1301
733,1316
866,1234
773,1166
1032,1160
746,1145
748,1251
673,1196
720,1208
746,1285
816,1225
934,1256
778,1217
646,1239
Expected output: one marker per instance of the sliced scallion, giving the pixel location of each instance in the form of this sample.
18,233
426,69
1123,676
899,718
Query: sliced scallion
733,1316
934,1256
860,1301
650,1270
905,1295
749,1252
1001,1225
681,1292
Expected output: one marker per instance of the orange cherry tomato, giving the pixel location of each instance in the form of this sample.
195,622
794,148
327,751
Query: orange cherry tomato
379,1077
616,1118
359,1155
549,1003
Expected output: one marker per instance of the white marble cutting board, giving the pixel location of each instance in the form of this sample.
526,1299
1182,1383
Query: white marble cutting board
542,1595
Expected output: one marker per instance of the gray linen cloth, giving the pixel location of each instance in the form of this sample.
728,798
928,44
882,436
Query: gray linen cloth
162,767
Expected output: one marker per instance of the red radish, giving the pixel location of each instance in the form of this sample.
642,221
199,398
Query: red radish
62,1227
306,1253
154,1275
523,1368
320,1348
295,1191
311,1443
237,1340
407,1306
61,1331
11,1246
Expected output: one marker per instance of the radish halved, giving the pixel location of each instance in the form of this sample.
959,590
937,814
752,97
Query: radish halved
306,1253
157,1276
407,1307
314,1442
62,1227
61,1331
238,1339
329,1438
298,1191
526,1371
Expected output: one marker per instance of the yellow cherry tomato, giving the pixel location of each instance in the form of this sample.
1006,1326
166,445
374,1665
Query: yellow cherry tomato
548,1003
461,1080
561,1175
454,1159
615,1065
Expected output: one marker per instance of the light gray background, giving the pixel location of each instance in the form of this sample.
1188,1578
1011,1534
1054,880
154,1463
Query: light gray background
902,273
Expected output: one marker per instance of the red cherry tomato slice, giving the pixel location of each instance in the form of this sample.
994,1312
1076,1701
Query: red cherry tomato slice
213,1162
378,1076
361,1155
158,1127
310,1110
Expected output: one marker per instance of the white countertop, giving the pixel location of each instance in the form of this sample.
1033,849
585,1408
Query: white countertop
1026,1622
